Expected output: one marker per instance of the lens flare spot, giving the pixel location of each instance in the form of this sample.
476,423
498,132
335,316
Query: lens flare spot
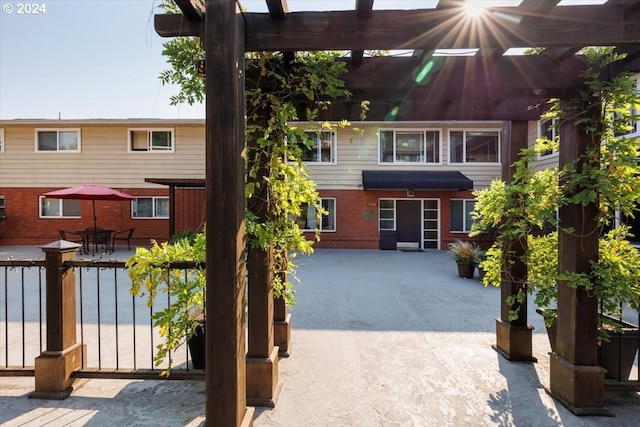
391,115
424,72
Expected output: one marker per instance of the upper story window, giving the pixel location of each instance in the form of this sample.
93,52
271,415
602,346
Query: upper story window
1,140
151,140
319,148
150,207
548,128
474,146
409,146
58,140
59,208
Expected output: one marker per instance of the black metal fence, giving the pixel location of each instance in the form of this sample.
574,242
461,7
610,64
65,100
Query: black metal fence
116,327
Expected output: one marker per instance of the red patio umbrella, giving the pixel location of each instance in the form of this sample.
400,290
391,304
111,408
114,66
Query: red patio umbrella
91,192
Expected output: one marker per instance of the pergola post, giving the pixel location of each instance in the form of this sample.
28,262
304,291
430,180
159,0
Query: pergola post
513,337
576,379
226,276
63,354
262,356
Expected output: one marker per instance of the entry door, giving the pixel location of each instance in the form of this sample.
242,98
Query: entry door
409,222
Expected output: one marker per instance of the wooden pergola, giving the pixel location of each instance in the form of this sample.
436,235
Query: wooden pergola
424,86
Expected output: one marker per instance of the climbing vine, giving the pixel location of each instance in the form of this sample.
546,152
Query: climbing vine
606,175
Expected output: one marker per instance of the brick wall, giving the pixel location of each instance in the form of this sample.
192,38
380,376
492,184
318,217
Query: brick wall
24,227
357,216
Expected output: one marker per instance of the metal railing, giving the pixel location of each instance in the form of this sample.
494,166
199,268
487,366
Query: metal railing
116,327
22,324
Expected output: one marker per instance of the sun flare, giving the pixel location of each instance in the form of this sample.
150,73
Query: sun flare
474,8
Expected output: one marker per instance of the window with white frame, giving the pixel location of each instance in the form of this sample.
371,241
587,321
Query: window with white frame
3,214
59,208
58,140
309,220
1,140
387,214
409,146
320,147
151,140
548,128
460,215
150,207
474,146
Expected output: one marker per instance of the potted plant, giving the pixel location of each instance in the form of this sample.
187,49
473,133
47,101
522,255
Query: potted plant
183,317
464,252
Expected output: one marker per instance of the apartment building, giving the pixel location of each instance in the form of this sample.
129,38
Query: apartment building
37,156
391,185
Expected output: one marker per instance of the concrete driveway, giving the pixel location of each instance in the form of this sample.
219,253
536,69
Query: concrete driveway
380,338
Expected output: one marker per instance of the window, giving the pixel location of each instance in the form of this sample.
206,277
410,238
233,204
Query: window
461,215
387,214
474,146
309,219
409,146
549,129
150,140
55,140
59,208
3,214
1,140
321,147
150,207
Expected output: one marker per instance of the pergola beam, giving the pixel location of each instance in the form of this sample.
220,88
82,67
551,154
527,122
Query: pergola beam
278,9
193,10
427,29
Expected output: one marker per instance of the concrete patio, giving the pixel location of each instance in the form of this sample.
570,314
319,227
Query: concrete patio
380,338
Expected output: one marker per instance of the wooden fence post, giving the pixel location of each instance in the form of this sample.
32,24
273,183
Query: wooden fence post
63,354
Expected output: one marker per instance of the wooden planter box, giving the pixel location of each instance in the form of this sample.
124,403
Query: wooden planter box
616,355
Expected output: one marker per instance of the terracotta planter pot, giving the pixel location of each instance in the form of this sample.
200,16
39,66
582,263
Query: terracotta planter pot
616,355
466,270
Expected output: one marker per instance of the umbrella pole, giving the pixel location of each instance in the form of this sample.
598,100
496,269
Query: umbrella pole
95,219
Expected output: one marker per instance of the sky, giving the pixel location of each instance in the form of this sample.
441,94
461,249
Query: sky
84,59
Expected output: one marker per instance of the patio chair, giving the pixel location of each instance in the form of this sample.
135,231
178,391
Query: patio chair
71,236
123,236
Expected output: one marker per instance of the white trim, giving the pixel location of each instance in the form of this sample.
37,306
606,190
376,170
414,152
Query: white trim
58,130
422,201
153,207
334,147
61,204
409,129
464,131
150,148
335,218
2,143
464,215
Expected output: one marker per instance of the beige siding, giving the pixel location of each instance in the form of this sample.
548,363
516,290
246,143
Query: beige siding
358,152
104,157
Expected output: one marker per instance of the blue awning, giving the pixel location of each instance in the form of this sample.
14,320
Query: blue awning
415,180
